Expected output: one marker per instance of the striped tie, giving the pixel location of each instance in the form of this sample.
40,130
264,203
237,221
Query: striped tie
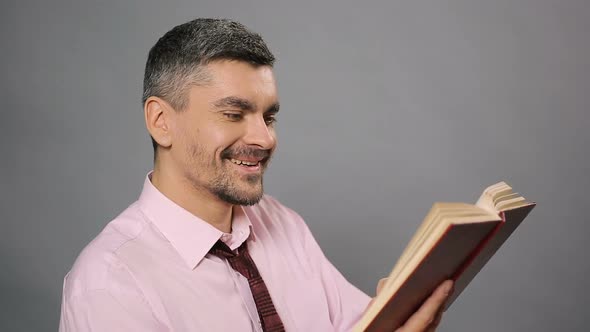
243,263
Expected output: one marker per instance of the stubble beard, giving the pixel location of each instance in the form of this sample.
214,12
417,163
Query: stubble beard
227,190
223,181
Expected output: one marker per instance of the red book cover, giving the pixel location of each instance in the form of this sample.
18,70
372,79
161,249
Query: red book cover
459,254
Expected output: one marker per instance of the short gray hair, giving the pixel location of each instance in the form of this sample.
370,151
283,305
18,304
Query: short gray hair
175,62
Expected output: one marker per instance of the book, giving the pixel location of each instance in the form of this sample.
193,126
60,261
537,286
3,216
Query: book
454,241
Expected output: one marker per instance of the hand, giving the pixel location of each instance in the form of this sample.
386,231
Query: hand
427,318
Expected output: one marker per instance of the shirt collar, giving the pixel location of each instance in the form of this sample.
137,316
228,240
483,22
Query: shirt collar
191,236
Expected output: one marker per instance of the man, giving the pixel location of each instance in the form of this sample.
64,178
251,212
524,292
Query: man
203,249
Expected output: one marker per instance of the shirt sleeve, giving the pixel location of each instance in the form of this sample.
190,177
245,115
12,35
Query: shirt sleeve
346,302
100,310
117,305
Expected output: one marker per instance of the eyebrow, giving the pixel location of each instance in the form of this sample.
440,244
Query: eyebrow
274,108
243,104
237,102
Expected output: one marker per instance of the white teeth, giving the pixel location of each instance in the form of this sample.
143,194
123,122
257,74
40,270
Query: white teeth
242,162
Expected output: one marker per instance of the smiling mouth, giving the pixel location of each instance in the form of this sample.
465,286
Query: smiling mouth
250,165
245,162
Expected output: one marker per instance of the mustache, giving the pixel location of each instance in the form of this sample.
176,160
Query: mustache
245,152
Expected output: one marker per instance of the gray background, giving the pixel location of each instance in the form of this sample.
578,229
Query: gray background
386,108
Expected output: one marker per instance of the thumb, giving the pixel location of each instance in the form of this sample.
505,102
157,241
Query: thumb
381,284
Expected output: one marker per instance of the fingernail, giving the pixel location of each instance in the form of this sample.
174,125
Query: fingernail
448,288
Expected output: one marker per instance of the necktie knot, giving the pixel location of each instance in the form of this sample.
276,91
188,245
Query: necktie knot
221,249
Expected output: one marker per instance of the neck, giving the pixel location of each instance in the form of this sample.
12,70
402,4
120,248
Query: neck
200,202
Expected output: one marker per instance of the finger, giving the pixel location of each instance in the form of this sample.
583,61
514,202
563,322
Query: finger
427,313
432,327
440,313
438,316
436,320
442,308
380,284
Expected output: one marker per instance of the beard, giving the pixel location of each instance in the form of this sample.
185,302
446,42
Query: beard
221,179
227,191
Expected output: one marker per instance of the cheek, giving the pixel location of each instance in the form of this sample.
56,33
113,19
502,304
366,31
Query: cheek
188,143
217,137
207,134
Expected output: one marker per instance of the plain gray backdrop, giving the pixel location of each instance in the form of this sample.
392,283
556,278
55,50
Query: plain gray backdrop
387,107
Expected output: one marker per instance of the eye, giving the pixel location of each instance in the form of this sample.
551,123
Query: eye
233,116
270,119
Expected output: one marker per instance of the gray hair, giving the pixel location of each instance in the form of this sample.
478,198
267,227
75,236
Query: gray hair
176,61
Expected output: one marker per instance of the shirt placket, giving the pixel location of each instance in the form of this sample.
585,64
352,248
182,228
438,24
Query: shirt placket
243,287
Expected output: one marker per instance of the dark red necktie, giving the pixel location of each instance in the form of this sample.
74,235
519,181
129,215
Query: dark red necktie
243,263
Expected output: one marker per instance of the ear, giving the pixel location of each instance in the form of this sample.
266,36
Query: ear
157,120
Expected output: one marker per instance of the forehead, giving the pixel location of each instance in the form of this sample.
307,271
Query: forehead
239,79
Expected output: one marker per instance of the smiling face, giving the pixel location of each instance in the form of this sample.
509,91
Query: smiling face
222,142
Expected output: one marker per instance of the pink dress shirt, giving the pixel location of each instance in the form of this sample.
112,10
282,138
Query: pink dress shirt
150,270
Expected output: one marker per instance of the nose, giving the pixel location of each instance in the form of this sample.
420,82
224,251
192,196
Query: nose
260,134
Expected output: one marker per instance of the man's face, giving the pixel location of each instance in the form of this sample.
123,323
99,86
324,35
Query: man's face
223,141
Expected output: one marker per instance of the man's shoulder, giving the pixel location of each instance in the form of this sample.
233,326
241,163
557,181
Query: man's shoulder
99,263
271,214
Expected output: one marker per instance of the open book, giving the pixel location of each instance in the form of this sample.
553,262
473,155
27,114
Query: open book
454,241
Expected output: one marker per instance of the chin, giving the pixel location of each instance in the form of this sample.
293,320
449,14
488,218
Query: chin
241,199
252,197
241,196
